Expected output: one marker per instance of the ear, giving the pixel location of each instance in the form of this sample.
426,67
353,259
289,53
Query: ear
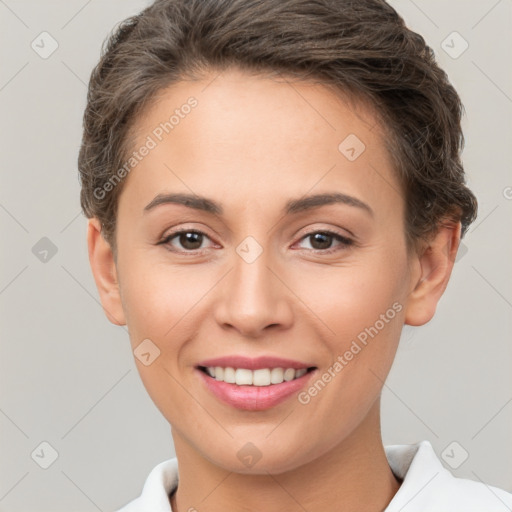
436,261
104,270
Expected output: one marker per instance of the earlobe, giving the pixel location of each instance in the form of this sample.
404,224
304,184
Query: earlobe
436,263
104,271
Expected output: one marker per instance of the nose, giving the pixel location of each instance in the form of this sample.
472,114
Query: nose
254,297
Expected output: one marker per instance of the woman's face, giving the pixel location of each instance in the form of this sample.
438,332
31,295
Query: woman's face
271,273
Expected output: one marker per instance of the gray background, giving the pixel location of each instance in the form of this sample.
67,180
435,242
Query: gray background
68,377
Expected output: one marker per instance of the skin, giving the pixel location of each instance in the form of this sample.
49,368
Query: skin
251,144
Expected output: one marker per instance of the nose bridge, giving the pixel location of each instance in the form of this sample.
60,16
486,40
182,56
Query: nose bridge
254,298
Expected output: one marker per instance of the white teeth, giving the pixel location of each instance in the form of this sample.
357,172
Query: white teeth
289,374
242,376
229,375
260,377
276,375
219,373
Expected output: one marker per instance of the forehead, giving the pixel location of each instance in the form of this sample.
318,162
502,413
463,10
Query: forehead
263,136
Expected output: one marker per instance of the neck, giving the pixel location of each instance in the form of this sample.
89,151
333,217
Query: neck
353,476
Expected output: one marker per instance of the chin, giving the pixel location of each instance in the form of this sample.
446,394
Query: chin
246,458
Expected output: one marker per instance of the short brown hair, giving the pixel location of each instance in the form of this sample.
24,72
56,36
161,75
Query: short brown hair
361,47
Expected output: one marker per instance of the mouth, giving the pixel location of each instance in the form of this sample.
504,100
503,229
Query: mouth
258,378
254,390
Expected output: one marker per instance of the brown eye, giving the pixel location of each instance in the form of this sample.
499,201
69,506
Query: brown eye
191,240
323,241
183,241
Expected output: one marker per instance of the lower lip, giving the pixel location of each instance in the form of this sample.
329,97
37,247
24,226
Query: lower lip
254,398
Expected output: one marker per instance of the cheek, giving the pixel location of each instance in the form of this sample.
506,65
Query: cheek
362,316
351,298
159,299
361,309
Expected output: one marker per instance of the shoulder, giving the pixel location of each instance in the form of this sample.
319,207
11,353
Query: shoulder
161,481
429,487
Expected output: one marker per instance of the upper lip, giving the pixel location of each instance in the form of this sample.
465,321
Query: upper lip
254,363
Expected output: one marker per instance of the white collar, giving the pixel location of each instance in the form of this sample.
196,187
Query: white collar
427,486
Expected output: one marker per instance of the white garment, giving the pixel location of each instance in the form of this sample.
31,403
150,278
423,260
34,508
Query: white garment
427,486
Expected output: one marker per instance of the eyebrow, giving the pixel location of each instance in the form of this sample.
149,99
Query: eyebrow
293,206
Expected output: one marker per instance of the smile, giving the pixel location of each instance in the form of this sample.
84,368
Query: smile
254,390
260,377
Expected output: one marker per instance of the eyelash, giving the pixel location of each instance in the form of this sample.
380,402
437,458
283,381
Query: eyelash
344,241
